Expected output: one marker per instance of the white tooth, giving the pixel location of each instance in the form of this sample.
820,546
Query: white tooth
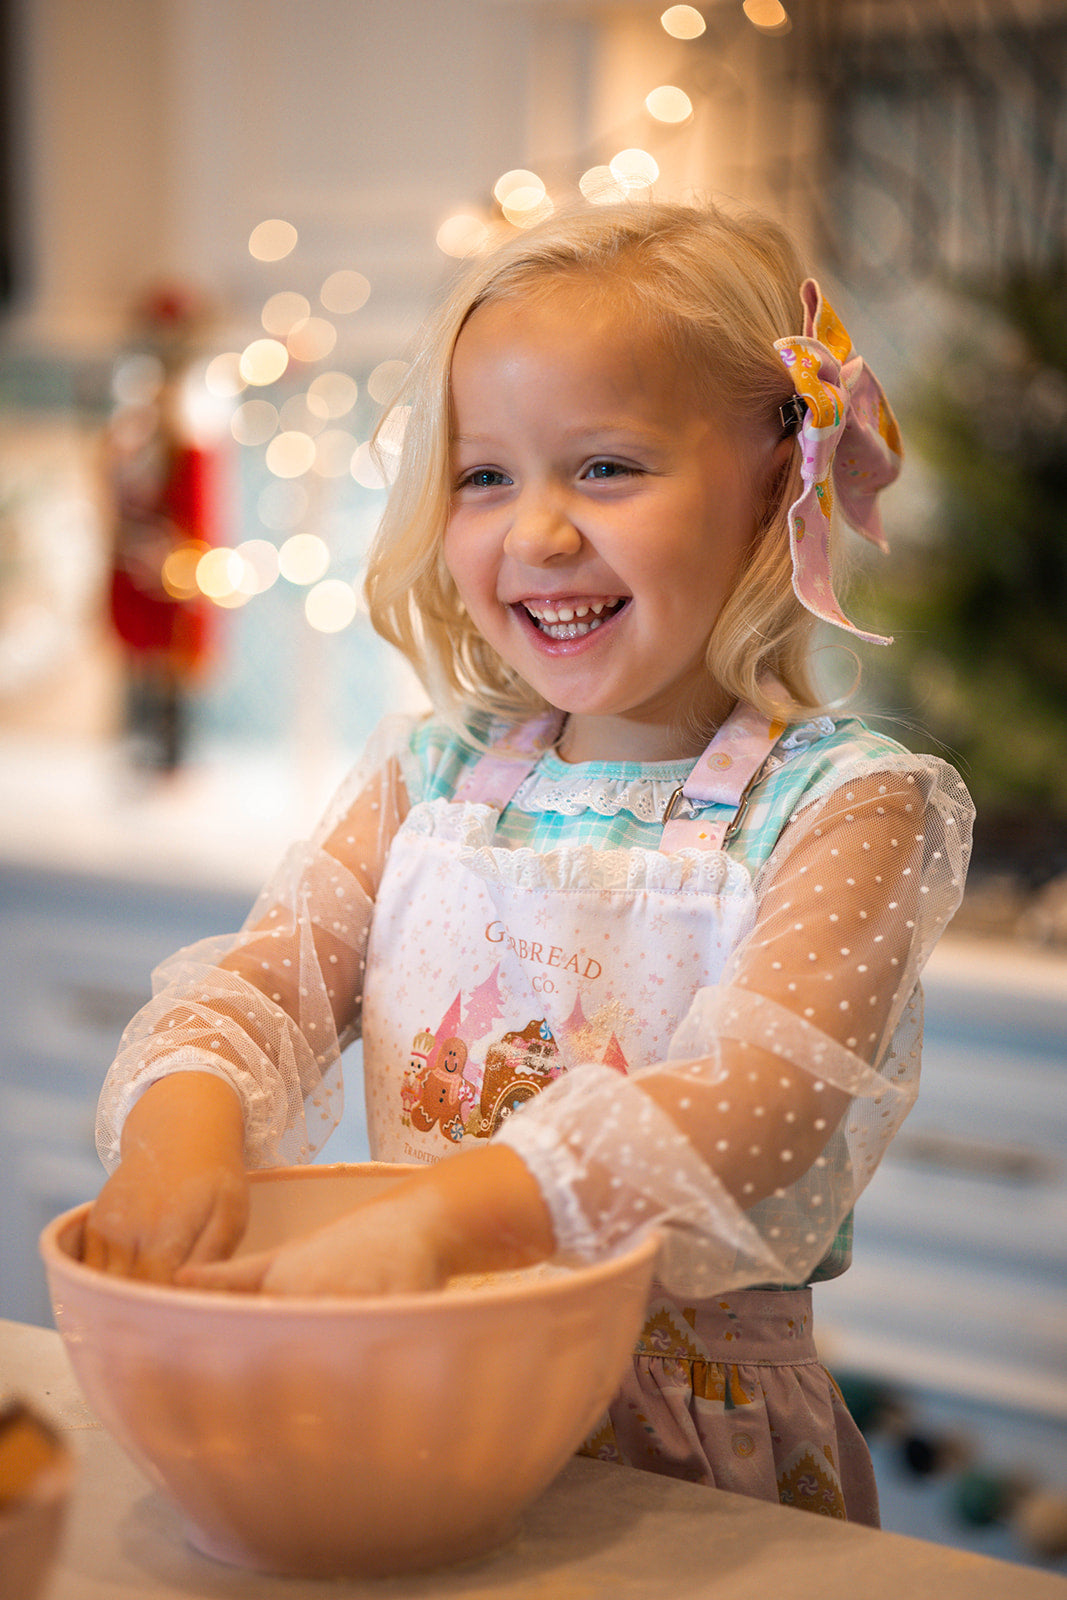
547,614
564,614
597,607
581,611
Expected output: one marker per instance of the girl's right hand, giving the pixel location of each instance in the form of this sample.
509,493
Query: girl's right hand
180,1193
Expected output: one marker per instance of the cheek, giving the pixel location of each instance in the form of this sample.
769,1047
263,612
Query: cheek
455,550
468,563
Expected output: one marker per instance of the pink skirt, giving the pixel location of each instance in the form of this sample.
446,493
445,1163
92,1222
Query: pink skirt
730,1392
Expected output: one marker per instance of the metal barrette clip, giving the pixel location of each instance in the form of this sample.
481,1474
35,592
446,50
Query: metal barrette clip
792,414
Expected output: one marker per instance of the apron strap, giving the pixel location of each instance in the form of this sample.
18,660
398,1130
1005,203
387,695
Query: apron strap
493,779
724,774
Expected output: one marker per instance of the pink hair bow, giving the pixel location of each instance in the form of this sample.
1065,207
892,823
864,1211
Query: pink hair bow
850,448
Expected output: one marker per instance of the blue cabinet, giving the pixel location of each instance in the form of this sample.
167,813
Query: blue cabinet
958,1293
76,957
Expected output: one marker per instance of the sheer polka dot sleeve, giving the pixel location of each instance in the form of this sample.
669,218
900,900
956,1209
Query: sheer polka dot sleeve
785,1082
271,1008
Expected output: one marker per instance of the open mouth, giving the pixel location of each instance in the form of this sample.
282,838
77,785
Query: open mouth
572,621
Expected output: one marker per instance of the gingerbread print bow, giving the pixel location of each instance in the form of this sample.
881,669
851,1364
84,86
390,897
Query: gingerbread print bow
850,447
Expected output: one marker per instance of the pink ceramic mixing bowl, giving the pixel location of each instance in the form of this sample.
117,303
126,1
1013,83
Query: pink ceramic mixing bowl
355,1437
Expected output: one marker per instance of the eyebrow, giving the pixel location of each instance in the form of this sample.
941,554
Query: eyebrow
624,431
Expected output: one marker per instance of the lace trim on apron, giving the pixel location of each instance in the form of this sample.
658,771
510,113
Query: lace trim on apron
471,826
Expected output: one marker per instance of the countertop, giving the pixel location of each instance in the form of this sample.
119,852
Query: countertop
599,1530
222,822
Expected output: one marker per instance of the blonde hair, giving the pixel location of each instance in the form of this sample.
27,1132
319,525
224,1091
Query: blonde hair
720,289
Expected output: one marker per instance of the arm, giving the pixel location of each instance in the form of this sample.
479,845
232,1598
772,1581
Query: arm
254,1024
270,1009
786,1080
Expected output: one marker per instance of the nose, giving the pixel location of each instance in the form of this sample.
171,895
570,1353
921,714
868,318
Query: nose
541,530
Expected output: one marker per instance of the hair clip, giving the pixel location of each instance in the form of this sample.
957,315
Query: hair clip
792,414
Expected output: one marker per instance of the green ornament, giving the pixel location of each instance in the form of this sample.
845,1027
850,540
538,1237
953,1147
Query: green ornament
982,1496
867,1400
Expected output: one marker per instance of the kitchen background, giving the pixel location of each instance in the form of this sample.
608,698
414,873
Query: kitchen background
220,222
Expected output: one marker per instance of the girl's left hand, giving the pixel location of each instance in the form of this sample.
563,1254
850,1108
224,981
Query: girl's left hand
472,1212
382,1247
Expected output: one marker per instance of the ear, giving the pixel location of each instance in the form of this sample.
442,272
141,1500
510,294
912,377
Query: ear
782,454
776,465
770,484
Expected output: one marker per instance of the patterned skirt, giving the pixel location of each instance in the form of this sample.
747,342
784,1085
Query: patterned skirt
730,1392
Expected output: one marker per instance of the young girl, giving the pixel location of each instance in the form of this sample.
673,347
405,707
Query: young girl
631,930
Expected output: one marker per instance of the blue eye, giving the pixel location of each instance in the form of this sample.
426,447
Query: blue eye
602,471
484,478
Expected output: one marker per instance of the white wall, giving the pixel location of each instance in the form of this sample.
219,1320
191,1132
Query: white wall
159,132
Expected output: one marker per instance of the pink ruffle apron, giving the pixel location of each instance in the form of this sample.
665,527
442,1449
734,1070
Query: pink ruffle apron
491,971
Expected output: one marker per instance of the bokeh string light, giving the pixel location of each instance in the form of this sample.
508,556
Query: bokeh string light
331,605
523,198
220,575
222,375
634,170
304,558
345,292
600,186
462,235
283,311
683,22
290,454
332,394
385,380
272,240
254,422
311,339
263,362
669,104
262,564
179,569
334,449
303,436
769,16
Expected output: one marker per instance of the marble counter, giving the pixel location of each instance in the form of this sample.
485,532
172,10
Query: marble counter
598,1531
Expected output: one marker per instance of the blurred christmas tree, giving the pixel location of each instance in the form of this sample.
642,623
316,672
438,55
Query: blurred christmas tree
978,603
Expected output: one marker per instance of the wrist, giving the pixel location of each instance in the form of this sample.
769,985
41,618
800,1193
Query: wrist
485,1212
187,1112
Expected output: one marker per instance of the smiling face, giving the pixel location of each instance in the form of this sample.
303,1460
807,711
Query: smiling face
599,518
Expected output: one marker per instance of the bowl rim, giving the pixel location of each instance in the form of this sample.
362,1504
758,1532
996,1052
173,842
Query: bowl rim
633,1256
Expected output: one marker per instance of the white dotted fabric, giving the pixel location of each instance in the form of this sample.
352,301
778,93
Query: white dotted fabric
271,1008
746,1148
785,1082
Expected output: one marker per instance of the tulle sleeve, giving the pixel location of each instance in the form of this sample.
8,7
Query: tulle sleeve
785,1082
271,1008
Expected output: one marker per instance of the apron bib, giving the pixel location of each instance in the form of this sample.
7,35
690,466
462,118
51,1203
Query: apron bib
491,971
